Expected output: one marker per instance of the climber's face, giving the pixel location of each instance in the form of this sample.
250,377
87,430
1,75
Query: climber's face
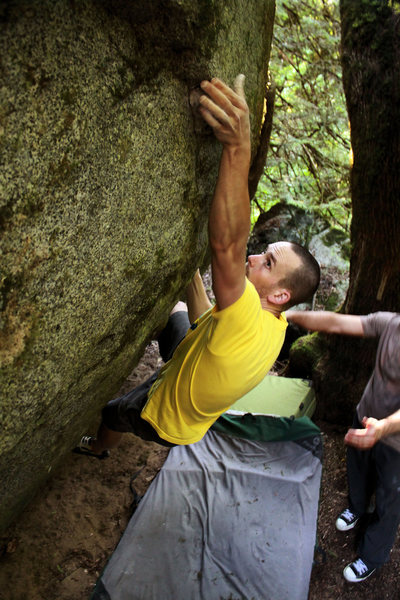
268,271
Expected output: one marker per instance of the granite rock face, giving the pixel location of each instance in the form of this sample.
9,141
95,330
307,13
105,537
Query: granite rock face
105,184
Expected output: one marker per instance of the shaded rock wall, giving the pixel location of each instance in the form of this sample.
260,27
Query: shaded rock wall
105,183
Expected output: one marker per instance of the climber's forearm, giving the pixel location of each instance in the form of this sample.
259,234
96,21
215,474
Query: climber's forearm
196,297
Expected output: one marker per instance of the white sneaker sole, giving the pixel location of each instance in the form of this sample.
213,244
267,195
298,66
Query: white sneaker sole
341,525
351,577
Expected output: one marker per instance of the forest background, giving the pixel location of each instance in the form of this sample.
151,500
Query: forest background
309,156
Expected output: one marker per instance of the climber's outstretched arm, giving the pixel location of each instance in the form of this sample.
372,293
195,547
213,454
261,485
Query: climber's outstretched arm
226,111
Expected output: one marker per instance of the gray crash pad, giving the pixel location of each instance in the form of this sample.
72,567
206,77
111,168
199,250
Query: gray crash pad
225,519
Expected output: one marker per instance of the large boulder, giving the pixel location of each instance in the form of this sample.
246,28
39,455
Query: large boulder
105,184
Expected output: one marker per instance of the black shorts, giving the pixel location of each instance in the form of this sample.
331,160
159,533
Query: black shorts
123,413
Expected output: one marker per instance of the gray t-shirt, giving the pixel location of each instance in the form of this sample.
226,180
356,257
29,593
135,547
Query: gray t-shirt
381,396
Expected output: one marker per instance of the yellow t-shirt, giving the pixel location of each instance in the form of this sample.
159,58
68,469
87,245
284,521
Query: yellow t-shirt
221,359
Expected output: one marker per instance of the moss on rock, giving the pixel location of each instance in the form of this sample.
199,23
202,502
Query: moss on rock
304,355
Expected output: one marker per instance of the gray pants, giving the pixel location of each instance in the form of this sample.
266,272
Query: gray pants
376,469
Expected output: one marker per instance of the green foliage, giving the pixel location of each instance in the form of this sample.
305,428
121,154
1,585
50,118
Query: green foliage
308,161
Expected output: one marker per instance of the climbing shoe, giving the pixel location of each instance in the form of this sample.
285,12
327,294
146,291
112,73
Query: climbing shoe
85,448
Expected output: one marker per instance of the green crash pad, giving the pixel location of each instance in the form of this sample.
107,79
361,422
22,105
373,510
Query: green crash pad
277,409
279,397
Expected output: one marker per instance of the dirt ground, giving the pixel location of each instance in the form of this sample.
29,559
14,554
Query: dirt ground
59,546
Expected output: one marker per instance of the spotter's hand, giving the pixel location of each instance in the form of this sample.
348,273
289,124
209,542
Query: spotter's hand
365,438
226,111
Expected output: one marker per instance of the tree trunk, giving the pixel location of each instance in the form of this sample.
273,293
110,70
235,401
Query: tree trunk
371,80
258,163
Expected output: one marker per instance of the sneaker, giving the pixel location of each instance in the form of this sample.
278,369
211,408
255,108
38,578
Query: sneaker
357,571
346,520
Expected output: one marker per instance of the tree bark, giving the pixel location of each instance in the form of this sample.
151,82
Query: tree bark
371,80
260,158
